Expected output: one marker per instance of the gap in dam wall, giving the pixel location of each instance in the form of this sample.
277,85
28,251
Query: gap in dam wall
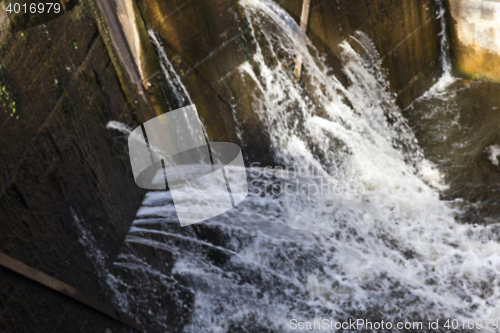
67,194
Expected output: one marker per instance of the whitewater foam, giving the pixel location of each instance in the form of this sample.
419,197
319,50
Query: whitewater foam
394,251
493,153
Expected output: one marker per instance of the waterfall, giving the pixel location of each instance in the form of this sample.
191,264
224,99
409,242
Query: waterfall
179,90
388,250
446,78
445,44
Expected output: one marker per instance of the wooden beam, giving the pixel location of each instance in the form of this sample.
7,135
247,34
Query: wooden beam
304,18
61,287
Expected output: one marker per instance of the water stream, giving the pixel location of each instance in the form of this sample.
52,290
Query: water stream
390,244
179,91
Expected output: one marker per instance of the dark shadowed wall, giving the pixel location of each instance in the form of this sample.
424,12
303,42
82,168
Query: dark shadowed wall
67,195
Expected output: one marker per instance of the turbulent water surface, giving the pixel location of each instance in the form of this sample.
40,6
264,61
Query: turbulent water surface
388,242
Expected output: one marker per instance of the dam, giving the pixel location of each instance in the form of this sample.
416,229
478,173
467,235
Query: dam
372,180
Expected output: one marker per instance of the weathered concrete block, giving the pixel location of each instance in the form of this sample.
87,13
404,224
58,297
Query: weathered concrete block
476,38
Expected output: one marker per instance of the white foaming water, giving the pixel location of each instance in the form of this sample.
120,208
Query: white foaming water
116,125
393,251
493,153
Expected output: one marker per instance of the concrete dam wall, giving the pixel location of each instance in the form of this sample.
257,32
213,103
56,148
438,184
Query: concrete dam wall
66,195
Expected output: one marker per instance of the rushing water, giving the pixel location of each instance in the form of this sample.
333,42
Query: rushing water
389,250
177,89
